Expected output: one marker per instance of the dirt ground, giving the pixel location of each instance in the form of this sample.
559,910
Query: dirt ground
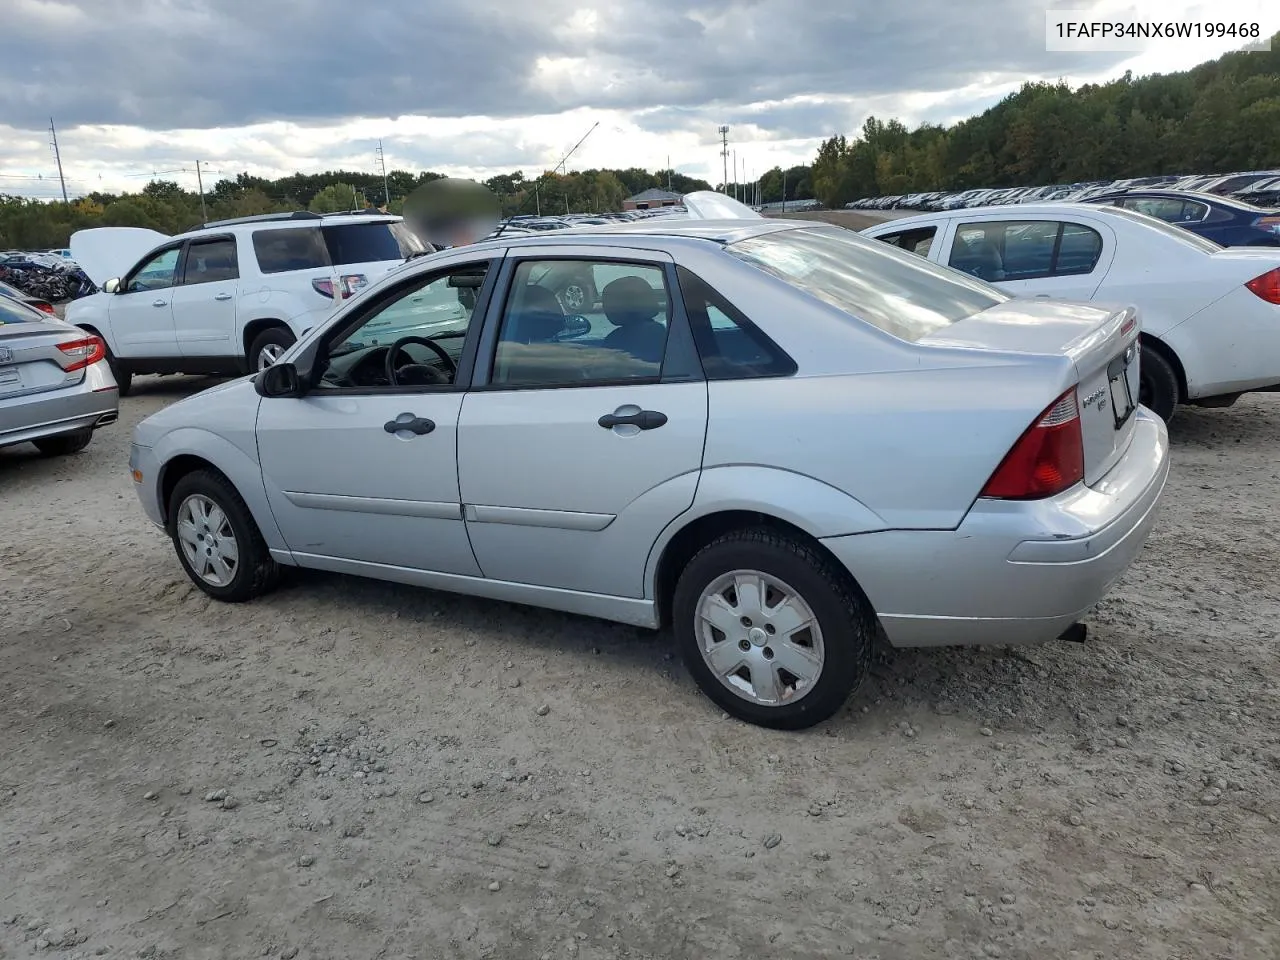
348,769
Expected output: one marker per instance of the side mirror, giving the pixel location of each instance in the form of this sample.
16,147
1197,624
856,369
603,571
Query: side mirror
279,380
112,285
575,325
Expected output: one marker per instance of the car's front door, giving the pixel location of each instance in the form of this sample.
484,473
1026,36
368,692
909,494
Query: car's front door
1031,257
363,469
583,436
141,312
204,304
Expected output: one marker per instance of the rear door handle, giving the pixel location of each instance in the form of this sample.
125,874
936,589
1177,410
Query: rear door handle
223,296
407,421
159,303
644,419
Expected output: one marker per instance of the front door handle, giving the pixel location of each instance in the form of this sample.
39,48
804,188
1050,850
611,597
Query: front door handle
407,421
159,303
644,419
223,296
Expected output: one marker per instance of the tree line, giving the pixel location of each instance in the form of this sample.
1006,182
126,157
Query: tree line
1219,117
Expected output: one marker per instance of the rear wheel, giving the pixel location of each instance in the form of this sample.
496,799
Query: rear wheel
771,629
64,443
217,540
1159,384
269,346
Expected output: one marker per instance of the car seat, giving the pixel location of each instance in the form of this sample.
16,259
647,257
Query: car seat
631,305
983,260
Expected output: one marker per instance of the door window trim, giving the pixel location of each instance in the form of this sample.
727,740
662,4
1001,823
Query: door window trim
680,363
382,298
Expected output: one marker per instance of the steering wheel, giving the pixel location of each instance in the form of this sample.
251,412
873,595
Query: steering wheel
431,345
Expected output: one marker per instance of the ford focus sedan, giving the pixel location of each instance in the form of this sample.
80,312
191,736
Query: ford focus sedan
773,438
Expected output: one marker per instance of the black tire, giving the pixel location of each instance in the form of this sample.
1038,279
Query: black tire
63,444
843,614
1159,384
273,337
256,572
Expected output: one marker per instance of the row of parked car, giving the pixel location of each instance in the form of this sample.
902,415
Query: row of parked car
1259,187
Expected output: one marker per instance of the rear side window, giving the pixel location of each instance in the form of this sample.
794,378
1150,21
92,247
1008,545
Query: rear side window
1185,237
730,346
295,248
370,242
210,261
1025,250
916,241
902,294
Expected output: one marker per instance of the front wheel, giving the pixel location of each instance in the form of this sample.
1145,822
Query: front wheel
773,631
217,540
269,346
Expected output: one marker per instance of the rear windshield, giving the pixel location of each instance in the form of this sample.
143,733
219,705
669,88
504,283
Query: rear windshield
339,244
901,293
1180,234
13,312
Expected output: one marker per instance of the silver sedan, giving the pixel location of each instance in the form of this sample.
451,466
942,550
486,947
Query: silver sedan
776,438
55,387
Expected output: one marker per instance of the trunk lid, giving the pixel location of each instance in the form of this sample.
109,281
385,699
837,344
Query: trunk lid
30,361
107,252
1101,343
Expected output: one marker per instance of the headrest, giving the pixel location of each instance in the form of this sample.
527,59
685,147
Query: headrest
629,300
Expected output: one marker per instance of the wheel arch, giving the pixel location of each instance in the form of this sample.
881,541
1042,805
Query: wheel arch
686,541
256,327
185,451
1167,353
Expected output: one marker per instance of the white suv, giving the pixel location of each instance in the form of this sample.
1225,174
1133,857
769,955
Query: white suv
231,296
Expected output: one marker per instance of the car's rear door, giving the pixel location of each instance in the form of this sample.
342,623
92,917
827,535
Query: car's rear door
583,436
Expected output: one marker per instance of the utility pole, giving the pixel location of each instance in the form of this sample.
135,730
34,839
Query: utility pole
724,154
784,191
382,162
735,174
204,214
668,173
53,139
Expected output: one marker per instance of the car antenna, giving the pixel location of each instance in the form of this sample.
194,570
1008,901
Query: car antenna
563,161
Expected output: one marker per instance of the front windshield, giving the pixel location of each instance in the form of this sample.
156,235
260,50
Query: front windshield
901,293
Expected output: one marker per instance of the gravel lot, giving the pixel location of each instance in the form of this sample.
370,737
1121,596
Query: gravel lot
348,769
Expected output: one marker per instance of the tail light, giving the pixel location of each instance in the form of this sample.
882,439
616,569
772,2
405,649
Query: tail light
44,307
348,286
1267,286
1270,224
83,353
1046,460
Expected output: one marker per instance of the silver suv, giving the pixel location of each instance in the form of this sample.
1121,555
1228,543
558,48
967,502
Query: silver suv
232,295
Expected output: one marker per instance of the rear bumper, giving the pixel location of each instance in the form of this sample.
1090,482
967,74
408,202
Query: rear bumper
1014,572
93,402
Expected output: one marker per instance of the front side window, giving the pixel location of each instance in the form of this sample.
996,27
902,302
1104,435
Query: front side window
414,339
619,335
210,261
157,273
902,294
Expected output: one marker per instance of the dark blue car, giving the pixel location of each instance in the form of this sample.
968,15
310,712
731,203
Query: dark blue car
1231,223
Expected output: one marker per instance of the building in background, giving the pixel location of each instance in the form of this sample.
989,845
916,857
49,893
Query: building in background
651,199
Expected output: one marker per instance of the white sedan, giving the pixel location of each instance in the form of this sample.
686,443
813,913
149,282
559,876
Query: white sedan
1210,316
774,437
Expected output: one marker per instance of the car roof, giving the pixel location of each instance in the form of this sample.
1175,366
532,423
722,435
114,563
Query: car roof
285,223
714,231
1001,211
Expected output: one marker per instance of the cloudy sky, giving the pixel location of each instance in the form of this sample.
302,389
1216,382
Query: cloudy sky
477,87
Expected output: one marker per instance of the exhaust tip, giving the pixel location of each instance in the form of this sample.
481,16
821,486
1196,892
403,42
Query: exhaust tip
107,418
1076,633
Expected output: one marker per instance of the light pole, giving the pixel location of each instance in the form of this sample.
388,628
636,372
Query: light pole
724,154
